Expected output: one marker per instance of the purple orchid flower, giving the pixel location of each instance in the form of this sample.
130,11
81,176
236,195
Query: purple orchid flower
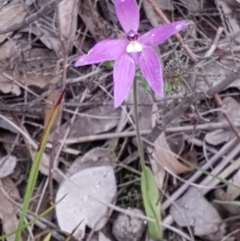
134,50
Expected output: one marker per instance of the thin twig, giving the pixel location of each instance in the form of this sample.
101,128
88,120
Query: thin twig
215,43
82,139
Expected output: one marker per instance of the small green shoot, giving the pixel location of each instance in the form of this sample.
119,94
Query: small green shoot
48,237
168,89
35,168
144,84
108,64
235,203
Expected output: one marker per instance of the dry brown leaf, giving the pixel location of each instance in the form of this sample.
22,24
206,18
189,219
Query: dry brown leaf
192,209
11,15
67,17
166,158
7,208
162,157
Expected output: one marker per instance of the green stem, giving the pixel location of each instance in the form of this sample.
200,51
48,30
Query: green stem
139,142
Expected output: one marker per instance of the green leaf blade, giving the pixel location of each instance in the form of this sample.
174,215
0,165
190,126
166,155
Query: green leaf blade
151,203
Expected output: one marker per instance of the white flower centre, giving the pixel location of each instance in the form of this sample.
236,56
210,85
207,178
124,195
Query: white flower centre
134,47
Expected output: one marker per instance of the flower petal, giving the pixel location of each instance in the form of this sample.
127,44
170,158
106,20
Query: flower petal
123,74
106,50
160,34
152,70
128,14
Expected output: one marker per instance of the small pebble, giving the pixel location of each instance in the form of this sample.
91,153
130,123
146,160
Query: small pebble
128,228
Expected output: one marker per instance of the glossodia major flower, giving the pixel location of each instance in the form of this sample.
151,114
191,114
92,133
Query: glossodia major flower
131,51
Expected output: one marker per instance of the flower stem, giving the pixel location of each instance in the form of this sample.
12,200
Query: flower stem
139,141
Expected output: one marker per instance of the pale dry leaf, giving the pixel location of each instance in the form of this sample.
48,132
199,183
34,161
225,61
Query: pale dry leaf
67,17
102,237
152,16
104,119
95,157
162,157
7,208
165,157
7,165
11,15
218,137
192,209
80,206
